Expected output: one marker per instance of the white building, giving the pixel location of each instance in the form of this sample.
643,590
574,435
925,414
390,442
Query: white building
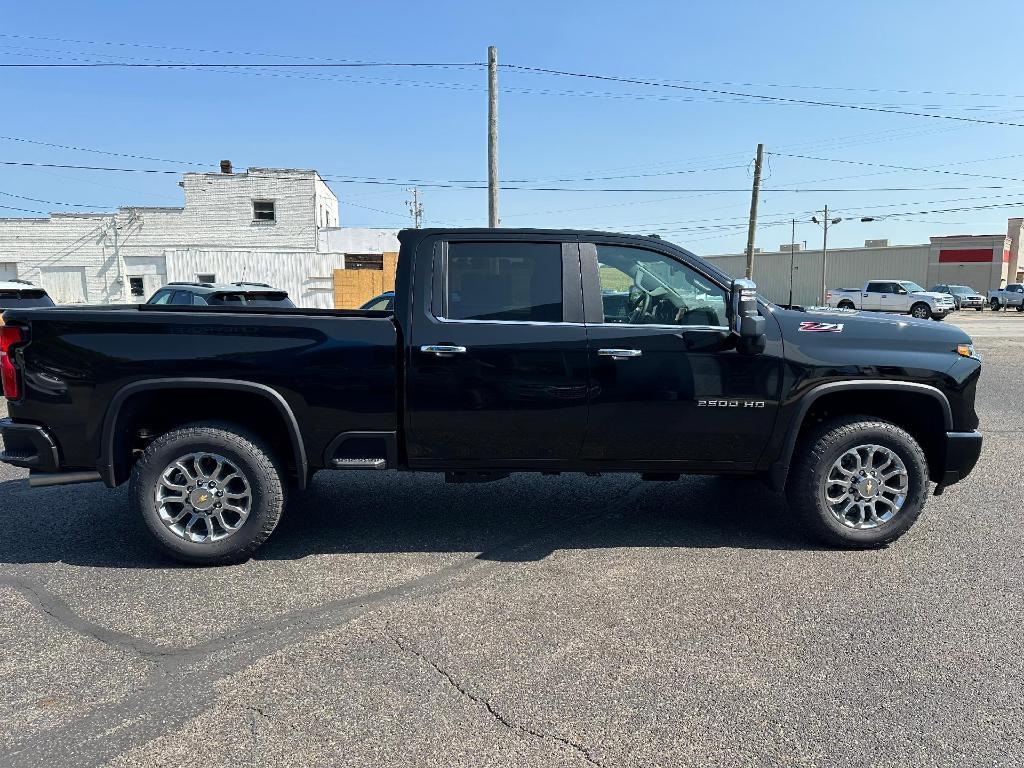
273,225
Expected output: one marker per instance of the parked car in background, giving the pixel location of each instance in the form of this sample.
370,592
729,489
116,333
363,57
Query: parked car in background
503,355
221,294
964,296
899,296
385,302
16,294
1010,296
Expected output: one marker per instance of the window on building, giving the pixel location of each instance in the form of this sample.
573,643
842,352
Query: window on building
206,277
263,210
364,261
504,281
136,286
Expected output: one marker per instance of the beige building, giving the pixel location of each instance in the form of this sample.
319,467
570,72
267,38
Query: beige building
983,262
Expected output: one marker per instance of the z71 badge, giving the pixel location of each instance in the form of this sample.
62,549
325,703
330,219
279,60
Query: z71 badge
811,325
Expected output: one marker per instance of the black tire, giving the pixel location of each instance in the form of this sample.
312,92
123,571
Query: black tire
252,458
813,459
979,309
923,310
1020,307
994,304
846,305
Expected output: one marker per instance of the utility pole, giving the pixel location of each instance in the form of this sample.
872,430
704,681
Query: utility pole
492,136
415,207
752,228
825,223
117,257
792,257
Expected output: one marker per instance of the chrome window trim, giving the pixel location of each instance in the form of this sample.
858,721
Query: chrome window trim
587,325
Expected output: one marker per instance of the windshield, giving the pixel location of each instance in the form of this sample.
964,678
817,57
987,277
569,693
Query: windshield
18,300
961,290
911,286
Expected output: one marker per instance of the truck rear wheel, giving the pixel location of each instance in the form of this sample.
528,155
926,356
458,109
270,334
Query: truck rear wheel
994,304
858,482
846,304
921,311
209,493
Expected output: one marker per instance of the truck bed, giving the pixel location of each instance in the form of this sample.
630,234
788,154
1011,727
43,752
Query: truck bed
336,369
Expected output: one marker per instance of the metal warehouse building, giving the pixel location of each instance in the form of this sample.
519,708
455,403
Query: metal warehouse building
981,261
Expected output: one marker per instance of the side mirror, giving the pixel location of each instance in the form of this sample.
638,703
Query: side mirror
747,324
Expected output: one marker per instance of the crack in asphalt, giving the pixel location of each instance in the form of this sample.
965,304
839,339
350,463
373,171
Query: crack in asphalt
185,690
488,705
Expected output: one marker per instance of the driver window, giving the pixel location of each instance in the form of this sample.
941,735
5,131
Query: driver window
641,287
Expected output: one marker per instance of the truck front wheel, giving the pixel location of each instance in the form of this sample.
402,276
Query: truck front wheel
858,482
921,311
209,494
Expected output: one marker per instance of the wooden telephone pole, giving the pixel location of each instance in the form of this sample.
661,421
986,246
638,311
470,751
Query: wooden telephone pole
752,227
492,136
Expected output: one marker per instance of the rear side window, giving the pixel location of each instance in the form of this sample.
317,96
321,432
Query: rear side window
279,299
504,281
181,297
18,299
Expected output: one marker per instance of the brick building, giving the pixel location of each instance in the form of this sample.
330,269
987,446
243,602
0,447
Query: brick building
265,224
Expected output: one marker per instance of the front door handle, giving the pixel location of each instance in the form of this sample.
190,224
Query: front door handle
443,349
619,354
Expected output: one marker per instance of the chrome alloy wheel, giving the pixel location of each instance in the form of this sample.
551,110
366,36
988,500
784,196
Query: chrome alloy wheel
866,486
203,497
920,312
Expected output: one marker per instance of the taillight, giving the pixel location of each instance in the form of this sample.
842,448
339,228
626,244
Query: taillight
9,336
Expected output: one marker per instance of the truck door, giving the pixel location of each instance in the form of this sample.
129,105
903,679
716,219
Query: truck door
896,299
668,388
873,295
497,359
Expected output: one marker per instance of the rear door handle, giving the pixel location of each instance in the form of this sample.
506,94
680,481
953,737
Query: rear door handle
443,349
619,354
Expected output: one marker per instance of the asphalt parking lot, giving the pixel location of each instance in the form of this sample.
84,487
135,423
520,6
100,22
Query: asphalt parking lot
394,620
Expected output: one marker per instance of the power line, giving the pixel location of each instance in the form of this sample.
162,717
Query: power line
760,97
908,168
97,151
517,187
54,202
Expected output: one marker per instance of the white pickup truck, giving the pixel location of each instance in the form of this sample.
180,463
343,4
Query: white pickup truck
1010,296
898,296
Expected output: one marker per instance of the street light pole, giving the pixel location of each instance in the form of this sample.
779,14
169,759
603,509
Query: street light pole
825,223
792,257
824,259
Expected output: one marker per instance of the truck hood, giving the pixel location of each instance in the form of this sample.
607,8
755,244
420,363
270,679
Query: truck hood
931,294
875,339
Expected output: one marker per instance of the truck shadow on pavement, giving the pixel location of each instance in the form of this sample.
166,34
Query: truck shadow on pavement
523,518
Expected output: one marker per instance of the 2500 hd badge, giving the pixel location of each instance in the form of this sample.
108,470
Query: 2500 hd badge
730,403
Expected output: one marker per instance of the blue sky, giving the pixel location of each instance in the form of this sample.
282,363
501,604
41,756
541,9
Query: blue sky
430,124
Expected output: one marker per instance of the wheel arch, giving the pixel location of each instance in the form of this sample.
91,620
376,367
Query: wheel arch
849,396
114,467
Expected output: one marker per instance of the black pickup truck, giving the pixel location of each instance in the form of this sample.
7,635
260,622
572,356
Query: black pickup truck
507,350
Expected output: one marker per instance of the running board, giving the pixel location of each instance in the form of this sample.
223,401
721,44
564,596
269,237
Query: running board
359,463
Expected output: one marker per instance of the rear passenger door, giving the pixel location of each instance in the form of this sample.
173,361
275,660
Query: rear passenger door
874,293
497,360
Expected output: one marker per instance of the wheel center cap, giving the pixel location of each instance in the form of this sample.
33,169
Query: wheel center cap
867,488
201,499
